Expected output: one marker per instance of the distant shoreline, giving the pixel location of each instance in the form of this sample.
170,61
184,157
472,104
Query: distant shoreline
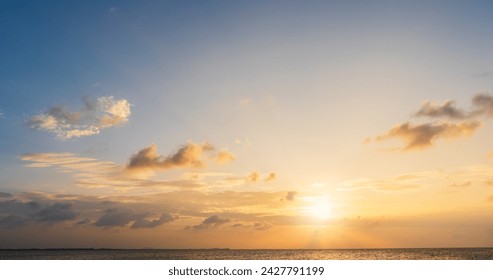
236,249
476,253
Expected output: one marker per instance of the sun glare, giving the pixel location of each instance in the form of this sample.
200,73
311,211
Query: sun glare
319,207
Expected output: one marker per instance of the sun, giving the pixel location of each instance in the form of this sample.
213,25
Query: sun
319,207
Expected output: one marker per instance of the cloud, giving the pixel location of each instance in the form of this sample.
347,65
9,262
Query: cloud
460,185
115,217
56,212
146,222
190,155
93,173
457,179
5,195
490,198
404,182
20,210
12,221
483,104
446,110
422,136
127,217
261,226
253,177
364,222
32,208
96,115
271,177
132,212
211,222
290,196
224,156
450,123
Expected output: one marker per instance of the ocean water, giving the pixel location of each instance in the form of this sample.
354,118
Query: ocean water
226,254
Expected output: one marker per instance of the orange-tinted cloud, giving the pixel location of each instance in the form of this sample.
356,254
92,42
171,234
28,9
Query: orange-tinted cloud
224,156
190,155
253,177
271,177
452,122
422,136
290,196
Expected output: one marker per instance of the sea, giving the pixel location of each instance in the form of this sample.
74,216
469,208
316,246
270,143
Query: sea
233,254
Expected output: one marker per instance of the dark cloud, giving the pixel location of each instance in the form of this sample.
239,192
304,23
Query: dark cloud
144,222
56,212
261,226
444,110
238,225
115,217
483,104
211,222
5,195
122,217
418,137
18,213
85,221
11,221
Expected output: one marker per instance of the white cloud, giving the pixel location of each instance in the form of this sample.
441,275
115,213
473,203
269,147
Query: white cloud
90,120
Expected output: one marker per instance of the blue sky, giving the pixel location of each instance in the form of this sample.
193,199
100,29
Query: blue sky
291,88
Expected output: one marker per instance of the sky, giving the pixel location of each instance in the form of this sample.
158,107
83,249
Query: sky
246,124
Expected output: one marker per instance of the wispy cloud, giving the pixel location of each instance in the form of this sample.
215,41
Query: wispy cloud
139,172
93,173
96,115
458,179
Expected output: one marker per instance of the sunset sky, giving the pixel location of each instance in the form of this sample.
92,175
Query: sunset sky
246,124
